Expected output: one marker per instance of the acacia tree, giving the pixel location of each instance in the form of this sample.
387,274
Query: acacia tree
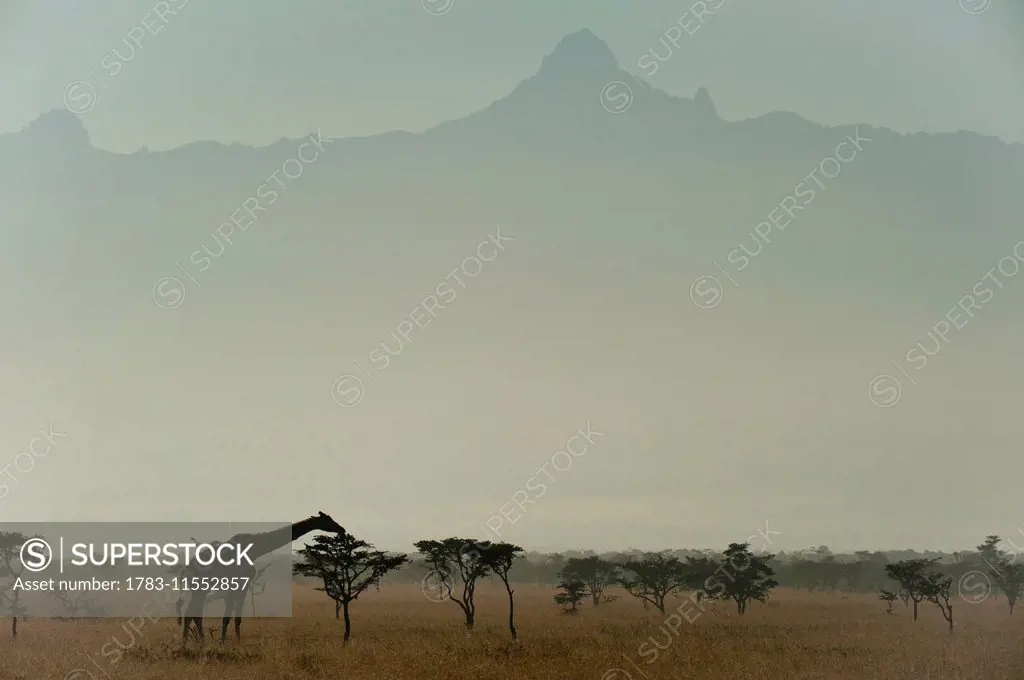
911,575
699,575
653,578
747,577
499,558
457,557
936,588
989,551
75,603
257,587
1006,575
573,592
1010,578
347,566
597,574
888,597
11,565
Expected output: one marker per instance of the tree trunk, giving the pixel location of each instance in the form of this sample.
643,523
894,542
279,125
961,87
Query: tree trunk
348,623
1011,608
915,611
470,620
739,607
14,627
337,610
511,611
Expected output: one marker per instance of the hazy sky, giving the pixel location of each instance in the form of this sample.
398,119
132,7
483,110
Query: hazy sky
712,422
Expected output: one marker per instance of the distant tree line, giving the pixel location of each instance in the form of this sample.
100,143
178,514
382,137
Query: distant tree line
739,576
452,568
908,576
813,570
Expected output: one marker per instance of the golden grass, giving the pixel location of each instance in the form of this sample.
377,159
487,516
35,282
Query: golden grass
398,634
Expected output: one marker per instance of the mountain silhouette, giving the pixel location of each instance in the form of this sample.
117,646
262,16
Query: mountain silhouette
665,182
578,53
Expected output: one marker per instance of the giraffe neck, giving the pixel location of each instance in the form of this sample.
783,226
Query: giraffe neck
300,529
272,540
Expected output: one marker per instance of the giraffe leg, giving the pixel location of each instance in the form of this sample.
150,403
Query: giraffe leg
226,620
194,617
194,614
184,609
239,605
192,625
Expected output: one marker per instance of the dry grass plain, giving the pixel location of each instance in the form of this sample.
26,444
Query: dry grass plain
398,634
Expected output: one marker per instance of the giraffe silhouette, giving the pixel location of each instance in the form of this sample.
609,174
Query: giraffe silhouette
222,595
262,544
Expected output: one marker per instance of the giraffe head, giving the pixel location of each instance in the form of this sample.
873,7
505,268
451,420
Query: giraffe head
324,522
